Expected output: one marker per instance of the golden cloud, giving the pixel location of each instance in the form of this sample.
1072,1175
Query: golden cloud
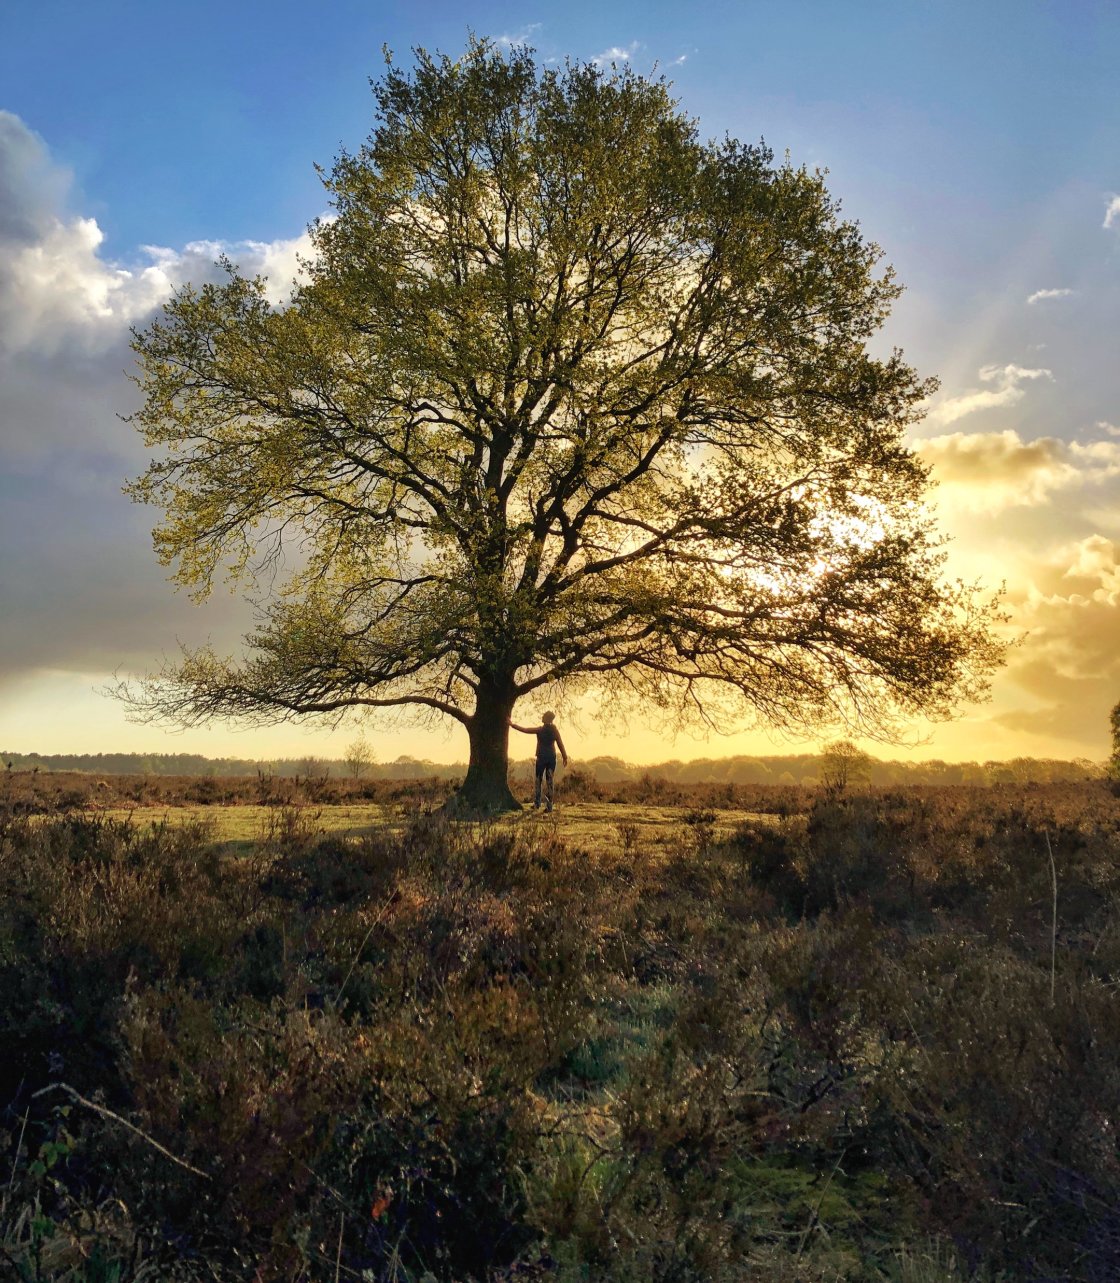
1068,605
989,471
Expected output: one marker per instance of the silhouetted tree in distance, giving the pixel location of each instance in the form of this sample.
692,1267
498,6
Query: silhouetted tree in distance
844,765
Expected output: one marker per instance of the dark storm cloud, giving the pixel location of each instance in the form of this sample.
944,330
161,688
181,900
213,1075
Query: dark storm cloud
80,585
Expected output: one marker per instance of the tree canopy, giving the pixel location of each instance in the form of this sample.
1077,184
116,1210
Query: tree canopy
566,397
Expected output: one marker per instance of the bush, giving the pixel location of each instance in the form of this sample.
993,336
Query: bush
824,1048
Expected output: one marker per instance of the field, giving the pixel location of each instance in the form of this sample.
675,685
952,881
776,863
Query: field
263,1030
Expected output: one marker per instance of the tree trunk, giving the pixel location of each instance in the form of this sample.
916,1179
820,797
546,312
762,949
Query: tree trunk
486,788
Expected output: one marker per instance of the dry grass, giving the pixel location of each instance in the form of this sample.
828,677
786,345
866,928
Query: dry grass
602,828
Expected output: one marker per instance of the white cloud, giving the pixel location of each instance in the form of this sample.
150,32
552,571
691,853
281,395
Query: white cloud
1014,374
280,261
523,36
59,293
1112,212
616,53
1008,381
81,588
1041,296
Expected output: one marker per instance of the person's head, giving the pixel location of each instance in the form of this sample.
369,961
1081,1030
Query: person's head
548,718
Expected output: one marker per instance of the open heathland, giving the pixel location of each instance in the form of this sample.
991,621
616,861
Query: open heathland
663,1034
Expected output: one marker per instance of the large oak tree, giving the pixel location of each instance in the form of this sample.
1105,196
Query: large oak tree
566,396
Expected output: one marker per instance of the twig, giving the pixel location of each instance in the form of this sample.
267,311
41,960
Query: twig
339,1199
344,1269
116,1118
1053,915
815,1216
338,1254
365,940
19,1146
10,1260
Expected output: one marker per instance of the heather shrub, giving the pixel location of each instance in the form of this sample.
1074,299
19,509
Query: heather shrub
773,859
853,1043
857,853
1002,1115
576,785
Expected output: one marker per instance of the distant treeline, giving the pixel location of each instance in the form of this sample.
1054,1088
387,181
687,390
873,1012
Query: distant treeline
799,768
167,764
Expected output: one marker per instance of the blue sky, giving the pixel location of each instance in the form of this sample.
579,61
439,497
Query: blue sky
975,142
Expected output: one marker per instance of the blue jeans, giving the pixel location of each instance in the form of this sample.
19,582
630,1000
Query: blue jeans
546,769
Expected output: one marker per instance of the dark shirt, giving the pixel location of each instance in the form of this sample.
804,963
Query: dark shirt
547,737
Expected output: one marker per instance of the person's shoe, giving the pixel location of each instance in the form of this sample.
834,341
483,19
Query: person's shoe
548,809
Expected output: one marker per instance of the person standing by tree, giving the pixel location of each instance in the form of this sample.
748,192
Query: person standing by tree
548,741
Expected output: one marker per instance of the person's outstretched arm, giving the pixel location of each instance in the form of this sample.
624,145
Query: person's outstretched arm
525,730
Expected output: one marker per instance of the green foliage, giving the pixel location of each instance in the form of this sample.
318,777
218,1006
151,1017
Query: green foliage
567,396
